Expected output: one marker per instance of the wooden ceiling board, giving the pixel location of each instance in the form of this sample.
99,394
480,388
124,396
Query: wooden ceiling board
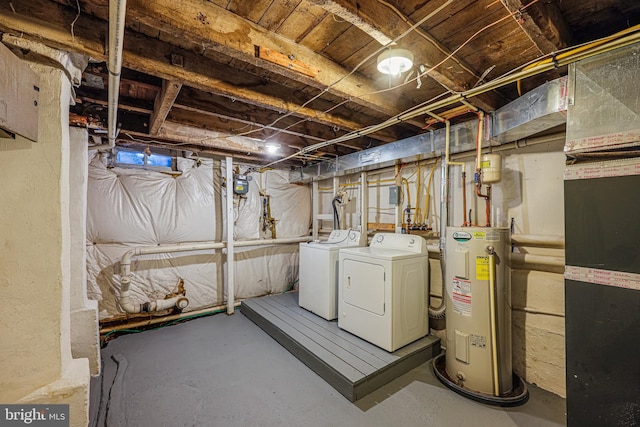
221,3
251,10
324,33
277,12
424,8
592,19
301,21
453,32
346,43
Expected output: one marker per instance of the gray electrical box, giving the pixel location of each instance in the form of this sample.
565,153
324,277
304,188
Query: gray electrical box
394,195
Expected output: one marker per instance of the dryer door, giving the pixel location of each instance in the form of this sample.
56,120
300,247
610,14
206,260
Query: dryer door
363,285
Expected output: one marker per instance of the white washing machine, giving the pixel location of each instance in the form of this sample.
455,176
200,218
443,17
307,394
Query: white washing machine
384,289
318,277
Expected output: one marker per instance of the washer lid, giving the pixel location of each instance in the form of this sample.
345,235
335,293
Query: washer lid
338,239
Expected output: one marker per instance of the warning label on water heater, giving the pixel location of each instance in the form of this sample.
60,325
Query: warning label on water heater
482,268
461,296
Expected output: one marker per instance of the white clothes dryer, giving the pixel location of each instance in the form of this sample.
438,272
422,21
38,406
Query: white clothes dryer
384,290
318,276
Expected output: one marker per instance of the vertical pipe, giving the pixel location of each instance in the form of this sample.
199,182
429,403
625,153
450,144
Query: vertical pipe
315,209
364,204
117,13
230,261
398,211
492,319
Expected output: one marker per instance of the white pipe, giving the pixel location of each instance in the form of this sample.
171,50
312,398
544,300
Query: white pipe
230,232
271,241
364,204
528,259
537,240
315,208
439,311
117,13
125,299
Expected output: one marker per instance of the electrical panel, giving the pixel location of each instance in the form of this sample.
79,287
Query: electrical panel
19,93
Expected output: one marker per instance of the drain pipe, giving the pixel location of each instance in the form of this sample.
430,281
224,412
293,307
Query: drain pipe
117,13
179,301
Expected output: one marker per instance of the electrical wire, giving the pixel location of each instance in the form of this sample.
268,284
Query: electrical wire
361,63
509,77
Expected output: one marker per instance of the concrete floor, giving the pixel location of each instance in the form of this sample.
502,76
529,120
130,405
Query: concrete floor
223,369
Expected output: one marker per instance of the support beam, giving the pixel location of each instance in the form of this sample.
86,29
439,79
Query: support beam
164,100
206,24
543,23
453,73
49,22
230,239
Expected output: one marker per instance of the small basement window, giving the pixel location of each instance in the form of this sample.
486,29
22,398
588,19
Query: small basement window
143,160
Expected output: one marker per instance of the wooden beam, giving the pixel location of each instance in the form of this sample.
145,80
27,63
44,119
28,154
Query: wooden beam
543,23
49,23
287,61
453,73
164,100
215,28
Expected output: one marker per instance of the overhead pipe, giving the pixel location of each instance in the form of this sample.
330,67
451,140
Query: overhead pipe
629,37
117,15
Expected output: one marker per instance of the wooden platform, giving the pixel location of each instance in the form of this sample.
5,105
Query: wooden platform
352,366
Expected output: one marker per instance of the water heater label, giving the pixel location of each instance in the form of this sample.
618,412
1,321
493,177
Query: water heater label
482,268
461,236
478,340
478,235
461,296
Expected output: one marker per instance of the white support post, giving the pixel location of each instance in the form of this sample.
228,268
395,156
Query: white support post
230,262
315,209
364,203
336,188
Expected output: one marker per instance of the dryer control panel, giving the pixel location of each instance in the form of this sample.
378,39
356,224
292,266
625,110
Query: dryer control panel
399,242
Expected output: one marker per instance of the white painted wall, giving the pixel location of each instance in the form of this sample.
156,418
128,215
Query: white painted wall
85,338
36,363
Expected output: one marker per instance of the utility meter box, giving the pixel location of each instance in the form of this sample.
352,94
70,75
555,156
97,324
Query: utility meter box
240,184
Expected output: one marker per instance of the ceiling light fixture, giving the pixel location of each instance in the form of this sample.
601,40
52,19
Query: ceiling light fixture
395,61
272,147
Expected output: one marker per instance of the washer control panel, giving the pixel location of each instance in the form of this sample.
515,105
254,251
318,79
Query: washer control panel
345,238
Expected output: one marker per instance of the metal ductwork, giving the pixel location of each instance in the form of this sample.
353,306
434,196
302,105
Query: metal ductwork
536,111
